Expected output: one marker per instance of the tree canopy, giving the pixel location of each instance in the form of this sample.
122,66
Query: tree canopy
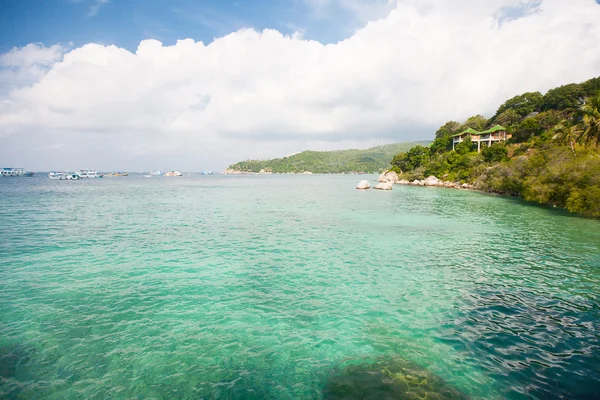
477,122
522,105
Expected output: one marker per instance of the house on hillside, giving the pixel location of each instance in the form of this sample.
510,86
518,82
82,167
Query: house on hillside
490,136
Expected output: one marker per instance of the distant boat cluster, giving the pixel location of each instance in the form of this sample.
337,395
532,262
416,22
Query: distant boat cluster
86,174
81,174
118,174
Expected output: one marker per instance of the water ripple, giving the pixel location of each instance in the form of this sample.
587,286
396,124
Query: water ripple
283,287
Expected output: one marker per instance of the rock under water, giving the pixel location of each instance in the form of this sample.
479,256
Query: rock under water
390,378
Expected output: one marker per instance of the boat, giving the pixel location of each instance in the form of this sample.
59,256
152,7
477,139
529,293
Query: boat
147,176
118,174
16,172
64,176
89,173
155,172
173,173
207,173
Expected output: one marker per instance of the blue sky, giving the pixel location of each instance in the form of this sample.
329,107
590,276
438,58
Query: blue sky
126,22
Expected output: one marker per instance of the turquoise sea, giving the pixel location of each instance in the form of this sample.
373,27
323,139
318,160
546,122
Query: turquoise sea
291,287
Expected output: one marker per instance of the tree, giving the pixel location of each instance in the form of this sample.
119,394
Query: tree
508,118
494,153
441,145
412,159
448,129
591,87
591,120
477,122
522,105
548,119
567,132
464,147
568,97
527,129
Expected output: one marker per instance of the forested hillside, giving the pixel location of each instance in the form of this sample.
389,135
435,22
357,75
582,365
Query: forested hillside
374,159
552,158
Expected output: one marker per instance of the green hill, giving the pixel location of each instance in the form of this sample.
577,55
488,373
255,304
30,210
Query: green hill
552,157
370,160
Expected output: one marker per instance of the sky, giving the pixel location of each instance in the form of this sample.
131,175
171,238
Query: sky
193,85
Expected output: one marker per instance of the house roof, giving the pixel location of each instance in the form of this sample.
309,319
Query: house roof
474,132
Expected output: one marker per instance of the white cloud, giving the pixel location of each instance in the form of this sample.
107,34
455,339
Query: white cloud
26,65
253,93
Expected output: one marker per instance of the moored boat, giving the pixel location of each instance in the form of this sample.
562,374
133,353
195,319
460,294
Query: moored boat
64,176
118,174
173,173
89,173
155,172
16,172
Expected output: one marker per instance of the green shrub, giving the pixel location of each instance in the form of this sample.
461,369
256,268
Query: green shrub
494,153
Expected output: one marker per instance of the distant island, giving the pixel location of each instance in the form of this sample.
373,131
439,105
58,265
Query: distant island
372,160
543,148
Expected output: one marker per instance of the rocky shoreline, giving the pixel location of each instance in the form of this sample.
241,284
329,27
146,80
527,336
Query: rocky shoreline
388,178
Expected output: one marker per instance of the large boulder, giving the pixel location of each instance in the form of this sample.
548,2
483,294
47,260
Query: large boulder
431,181
388,176
384,186
362,185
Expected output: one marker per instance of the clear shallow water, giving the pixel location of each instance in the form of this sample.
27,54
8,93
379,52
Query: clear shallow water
251,287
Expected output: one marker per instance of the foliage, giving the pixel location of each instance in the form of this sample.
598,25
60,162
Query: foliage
495,153
521,105
477,122
591,86
343,161
590,111
536,125
552,158
508,118
441,144
410,160
464,147
448,129
567,97
553,175
565,132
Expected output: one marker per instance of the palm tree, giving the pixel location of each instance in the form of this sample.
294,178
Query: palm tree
591,119
567,132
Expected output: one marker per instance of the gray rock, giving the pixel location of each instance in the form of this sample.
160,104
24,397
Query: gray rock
388,176
363,185
431,181
384,186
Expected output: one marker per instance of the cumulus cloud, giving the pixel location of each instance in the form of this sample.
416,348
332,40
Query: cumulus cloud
26,65
259,93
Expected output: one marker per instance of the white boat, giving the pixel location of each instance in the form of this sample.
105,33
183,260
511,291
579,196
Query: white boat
155,172
89,173
15,172
173,173
63,176
147,176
